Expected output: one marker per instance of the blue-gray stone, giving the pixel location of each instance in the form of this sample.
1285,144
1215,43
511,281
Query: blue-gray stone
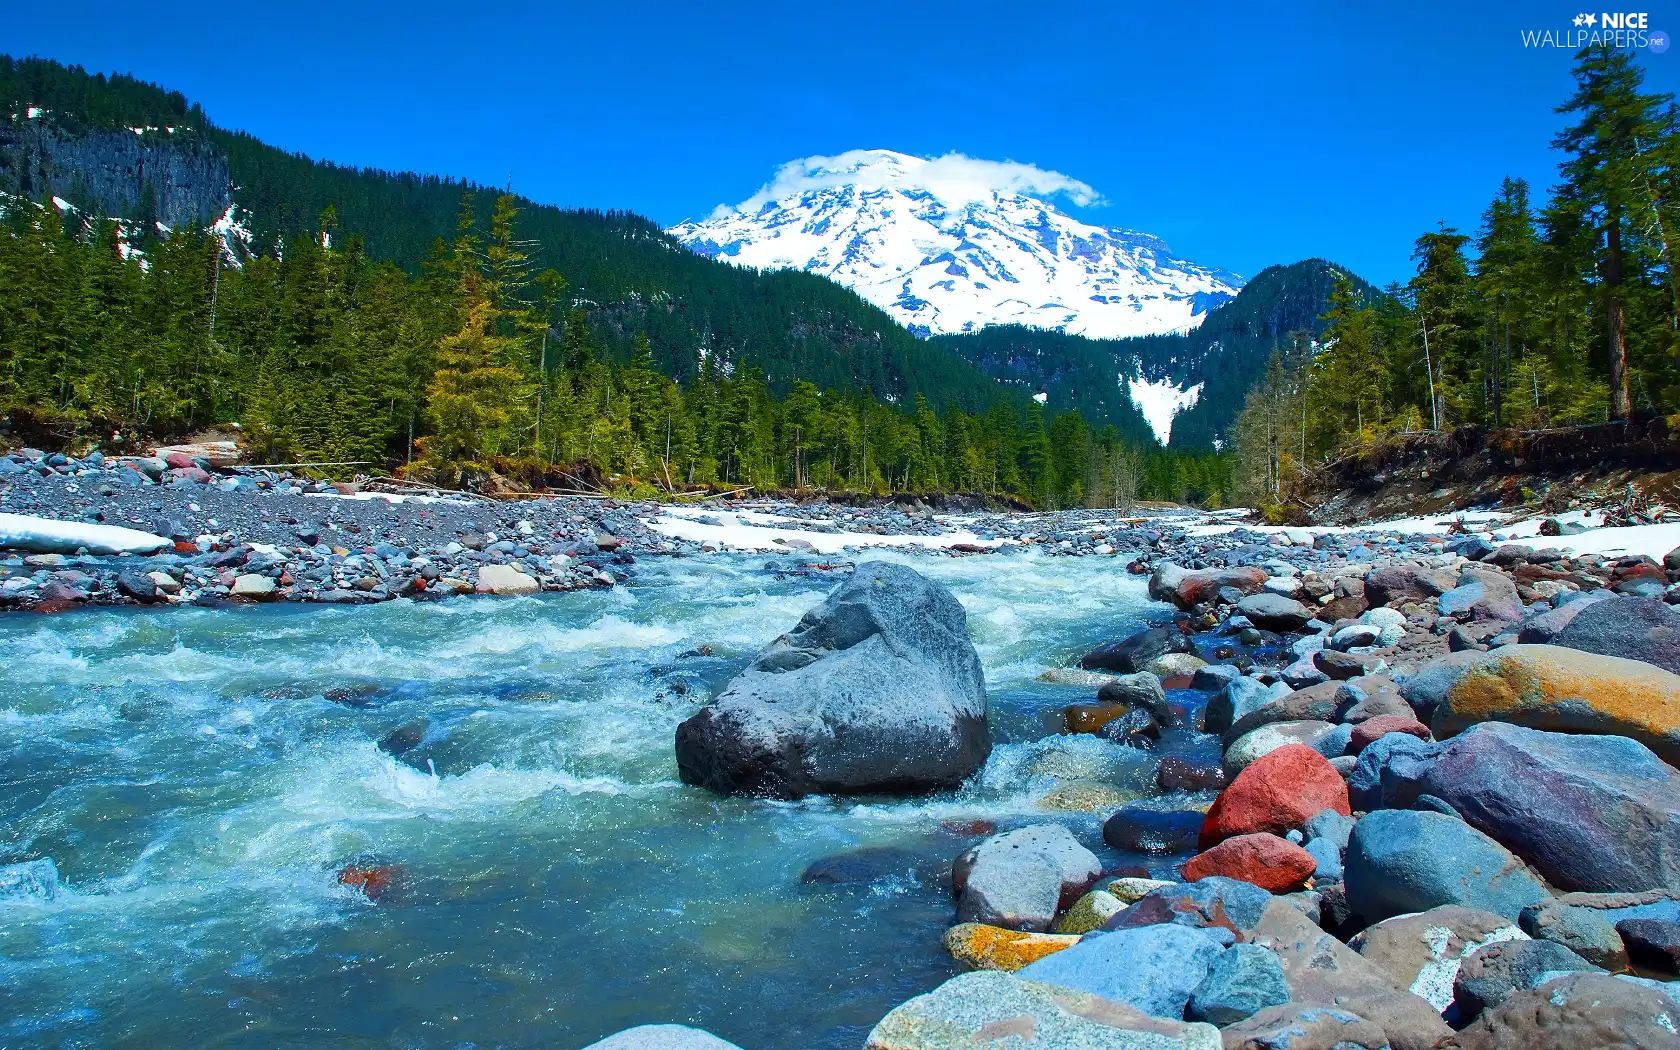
1591,813
1329,824
1401,861
1329,858
1151,968
1390,771
1243,980
1240,697
1488,975
1213,901
1634,628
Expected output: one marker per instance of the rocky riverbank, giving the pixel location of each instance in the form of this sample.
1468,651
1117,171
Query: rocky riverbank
1447,816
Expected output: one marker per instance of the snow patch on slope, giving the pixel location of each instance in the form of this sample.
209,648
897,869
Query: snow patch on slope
955,244
1160,401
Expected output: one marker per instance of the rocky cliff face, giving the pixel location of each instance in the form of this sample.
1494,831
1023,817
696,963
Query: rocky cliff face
172,176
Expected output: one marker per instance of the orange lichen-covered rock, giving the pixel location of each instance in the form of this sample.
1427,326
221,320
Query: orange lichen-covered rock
1275,793
1267,861
1566,690
982,947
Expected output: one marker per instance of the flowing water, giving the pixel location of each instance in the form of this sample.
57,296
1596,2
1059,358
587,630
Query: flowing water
553,881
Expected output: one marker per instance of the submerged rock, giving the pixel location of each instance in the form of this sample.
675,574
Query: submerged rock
877,689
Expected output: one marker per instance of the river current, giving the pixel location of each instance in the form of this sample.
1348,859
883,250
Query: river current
202,777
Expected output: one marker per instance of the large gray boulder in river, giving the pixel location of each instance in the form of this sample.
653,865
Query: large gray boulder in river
878,689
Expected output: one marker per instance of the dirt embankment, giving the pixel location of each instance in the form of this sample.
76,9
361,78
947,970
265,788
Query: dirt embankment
1547,471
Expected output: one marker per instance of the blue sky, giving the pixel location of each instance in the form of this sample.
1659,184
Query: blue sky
1244,134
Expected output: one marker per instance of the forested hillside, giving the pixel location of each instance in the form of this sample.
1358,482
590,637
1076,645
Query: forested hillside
418,324
1227,353
1556,311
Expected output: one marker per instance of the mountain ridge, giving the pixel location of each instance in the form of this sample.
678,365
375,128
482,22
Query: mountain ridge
955,244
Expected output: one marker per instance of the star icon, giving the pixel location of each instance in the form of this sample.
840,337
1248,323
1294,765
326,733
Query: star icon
1580,20
1592,20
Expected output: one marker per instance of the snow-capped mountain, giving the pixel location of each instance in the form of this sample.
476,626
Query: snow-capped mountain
955,244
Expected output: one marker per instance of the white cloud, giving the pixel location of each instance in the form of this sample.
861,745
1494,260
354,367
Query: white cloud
954,178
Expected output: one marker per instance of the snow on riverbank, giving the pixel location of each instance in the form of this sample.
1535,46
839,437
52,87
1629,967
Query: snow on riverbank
759,531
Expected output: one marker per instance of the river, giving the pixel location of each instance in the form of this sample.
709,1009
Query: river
552,881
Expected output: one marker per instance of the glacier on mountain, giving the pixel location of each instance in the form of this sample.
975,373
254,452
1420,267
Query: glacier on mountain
954,244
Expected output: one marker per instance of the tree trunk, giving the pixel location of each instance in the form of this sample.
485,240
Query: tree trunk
1620,402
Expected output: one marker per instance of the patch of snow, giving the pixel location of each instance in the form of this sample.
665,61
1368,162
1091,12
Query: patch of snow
749,530
1160,401
25,532
35,112
62,205
1042,398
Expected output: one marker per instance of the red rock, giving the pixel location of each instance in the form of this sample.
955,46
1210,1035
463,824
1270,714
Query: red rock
373,880
185,547
1382,725
179,460
1200,586
191,473
1267,861
1276,793
969,827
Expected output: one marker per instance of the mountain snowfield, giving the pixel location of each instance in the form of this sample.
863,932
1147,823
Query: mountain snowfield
954,244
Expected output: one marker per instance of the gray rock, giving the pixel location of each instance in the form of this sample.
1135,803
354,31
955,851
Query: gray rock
1652,943
1544,626
1632,628
1427,689
1401,861
1405,582
989,1008
1586,923
1483,594
1213,677
662,1037
1274,612
1019,879
1391,771
1133,654
1489,974
1268,738
1216,903
1140,690
877,689
1592,813
1239,698
1243,980
1152,968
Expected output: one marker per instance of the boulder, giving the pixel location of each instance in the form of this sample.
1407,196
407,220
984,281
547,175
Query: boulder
1175,665
1390,771
1242,981
1568,690
1187,589
1211,678
1151,968
1321,969
1489,974
1401,861
876,689
1274,612
1214,903
1423,951
981,947
1276,793
1304,1026
988,1008
1270,862
662,1037
1585,923
1238,699
1544,626
1340,667
1141,690
1181,774
1405,583
1482,594
1427,689
1132,654
252,587
1574,1012
1652,943
1315,703
1633,628
1268,738
1019,880
1142,830
1369,731
505,580
1592,813
1089,913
